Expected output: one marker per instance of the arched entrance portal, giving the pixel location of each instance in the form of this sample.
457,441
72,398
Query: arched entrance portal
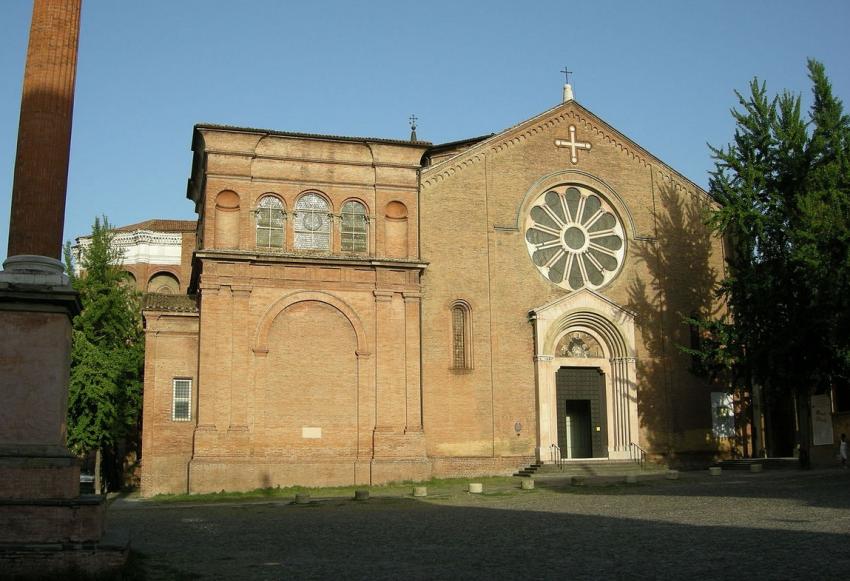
585,370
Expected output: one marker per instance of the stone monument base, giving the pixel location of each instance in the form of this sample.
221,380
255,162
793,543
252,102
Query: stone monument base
47,530
65,560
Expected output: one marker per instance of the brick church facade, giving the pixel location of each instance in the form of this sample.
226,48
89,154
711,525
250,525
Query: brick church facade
368,310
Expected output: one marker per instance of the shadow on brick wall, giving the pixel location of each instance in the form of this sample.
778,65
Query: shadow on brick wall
673,401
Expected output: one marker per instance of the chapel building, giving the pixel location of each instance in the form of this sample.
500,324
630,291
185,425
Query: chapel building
364,310
156,255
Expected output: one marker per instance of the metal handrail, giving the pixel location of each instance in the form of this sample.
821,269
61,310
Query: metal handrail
555,451
637,454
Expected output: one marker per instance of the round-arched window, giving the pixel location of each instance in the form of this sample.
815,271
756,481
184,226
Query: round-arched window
269,222
575,238
312,224
352,228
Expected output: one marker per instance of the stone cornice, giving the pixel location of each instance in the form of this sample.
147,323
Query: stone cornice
311,183
324,260
201,127
316,160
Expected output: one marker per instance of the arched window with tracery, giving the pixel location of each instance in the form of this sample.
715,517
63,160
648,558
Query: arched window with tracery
312,224
461,336
270,222
352,228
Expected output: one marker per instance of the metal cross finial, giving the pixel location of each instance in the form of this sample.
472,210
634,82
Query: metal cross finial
412,120
567,74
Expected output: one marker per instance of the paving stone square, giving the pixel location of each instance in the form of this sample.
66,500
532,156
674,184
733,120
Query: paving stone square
773,525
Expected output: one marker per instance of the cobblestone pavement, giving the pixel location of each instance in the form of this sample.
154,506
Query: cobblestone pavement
773,525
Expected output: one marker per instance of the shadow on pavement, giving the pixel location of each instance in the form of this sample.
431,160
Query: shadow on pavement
535,536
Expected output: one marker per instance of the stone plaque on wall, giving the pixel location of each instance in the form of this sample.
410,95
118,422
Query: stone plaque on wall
311,433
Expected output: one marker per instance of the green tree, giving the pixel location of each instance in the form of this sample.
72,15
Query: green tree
107,355
784,190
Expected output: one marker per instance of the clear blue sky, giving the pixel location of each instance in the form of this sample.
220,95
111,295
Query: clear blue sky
662,72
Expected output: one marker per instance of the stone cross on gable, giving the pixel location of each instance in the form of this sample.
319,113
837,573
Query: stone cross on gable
573,144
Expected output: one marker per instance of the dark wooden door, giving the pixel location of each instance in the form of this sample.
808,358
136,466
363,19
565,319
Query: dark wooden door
580,394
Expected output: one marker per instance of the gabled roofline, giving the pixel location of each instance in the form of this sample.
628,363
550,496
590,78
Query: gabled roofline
496,138
450,144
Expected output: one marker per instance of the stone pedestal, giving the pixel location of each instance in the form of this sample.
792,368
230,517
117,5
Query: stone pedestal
45,525
46,528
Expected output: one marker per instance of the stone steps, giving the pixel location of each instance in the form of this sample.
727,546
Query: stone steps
612,468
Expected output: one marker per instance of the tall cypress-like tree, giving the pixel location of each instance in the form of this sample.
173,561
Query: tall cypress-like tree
107,356
784,189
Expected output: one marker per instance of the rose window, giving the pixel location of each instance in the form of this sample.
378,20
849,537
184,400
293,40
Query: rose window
574,238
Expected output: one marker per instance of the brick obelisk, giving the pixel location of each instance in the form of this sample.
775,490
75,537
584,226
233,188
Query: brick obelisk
46,527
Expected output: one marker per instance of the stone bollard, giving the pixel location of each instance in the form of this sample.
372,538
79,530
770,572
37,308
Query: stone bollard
755,467
361,495
631,478
420,491
577,480
715,470
527,484
672,475
302,498
476,488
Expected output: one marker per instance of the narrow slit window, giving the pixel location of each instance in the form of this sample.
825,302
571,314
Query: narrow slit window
181,402
461,337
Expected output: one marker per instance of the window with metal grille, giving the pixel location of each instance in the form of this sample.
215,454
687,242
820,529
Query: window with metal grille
181,401
270,218
461,337
352,229
312,224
